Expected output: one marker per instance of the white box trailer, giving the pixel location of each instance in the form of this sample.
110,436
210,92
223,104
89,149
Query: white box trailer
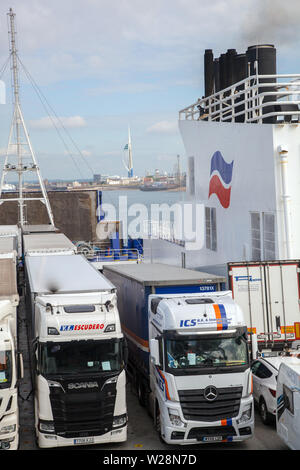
268,293
78,354
47,243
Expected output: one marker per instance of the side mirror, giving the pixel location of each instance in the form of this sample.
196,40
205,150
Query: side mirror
20,366
254,346
154,352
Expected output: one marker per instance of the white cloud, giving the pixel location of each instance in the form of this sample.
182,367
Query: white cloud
48,122
86,153
164,127
97,38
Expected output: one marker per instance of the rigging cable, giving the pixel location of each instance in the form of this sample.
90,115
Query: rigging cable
46,104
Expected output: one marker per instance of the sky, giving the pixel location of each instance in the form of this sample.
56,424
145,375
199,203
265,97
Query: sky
103,65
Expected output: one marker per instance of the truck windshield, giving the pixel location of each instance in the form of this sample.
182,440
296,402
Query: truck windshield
206,352
5,369
80,357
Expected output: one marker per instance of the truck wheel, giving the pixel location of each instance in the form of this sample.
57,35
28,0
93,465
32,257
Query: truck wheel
158,423
263,412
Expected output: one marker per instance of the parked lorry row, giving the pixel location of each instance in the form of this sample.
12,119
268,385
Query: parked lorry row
185,339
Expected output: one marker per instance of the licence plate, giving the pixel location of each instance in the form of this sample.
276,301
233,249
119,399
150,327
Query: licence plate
212,438
84,440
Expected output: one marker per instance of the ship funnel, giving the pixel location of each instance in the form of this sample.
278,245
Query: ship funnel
209,72
231,68
262,61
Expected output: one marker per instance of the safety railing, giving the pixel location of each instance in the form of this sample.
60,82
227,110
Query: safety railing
99,252
162,230
256,99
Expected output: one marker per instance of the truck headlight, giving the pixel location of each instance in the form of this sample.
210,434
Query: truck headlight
119,421
175,418
7,429
246,415
46,426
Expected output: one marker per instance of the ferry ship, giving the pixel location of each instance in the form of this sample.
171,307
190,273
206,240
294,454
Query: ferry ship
243,159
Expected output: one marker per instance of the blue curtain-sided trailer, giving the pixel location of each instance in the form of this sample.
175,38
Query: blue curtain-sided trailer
134,283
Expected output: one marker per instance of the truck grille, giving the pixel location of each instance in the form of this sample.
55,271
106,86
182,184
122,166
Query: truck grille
83,413
196,408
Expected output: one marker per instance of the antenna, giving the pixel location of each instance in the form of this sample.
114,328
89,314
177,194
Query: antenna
129,164
20,157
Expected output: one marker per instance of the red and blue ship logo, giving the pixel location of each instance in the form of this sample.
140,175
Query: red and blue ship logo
220,179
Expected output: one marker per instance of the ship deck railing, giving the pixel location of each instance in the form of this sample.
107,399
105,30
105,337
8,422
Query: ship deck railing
256,99
162,230
98,254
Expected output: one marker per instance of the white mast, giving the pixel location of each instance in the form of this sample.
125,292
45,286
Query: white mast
129,164
17,149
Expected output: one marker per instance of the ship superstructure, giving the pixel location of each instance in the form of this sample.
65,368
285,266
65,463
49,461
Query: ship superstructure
243,160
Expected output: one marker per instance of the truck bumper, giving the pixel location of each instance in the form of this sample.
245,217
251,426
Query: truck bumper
50,440
197,432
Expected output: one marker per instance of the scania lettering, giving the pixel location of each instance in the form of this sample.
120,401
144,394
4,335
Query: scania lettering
188,352
78,354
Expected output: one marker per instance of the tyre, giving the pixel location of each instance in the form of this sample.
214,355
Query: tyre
158,423
141,393
263,412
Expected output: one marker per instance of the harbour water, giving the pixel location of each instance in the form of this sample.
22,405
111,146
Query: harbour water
142,197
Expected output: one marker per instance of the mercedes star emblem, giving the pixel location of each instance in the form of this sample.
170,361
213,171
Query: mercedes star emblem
210,393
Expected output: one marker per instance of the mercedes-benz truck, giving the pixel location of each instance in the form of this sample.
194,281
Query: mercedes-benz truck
188,352
78,353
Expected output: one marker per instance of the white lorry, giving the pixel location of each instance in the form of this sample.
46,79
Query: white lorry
188,352
78,353
288,401
11,365
268,293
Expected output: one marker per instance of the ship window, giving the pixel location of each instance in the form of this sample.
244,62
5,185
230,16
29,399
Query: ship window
211,228
191,167
269,236
255,236
288,398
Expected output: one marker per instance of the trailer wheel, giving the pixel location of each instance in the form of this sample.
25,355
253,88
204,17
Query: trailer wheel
141,393
263,412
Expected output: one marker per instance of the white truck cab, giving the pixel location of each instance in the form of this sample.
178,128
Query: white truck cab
200,376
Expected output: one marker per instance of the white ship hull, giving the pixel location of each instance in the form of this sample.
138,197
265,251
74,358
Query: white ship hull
255,187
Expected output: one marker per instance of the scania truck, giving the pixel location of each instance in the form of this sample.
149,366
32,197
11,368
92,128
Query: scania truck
10,359
78,354
188,352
